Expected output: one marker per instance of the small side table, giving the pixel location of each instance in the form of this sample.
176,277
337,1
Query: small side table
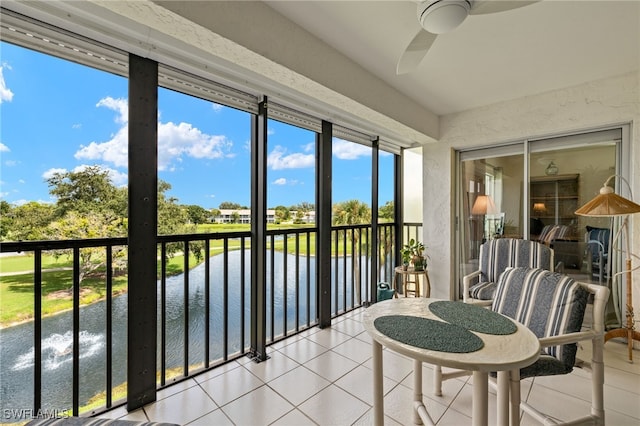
406,275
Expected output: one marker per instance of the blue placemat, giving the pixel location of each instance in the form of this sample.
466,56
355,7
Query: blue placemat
472,317
428,334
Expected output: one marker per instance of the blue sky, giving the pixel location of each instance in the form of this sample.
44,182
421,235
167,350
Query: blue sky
57,115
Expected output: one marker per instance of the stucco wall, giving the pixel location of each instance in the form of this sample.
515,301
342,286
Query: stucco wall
600,103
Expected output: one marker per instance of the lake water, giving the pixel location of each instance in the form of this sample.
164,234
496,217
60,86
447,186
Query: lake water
17,350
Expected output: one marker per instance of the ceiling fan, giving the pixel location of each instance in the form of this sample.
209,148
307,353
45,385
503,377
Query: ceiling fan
440,17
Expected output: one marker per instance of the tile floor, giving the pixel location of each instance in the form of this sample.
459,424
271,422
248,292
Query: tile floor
323,377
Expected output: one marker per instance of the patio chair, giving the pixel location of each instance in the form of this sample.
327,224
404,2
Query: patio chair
552,305
597,255
497,255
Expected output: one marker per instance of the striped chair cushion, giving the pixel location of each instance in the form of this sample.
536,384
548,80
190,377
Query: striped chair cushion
549,304
496,255
548,234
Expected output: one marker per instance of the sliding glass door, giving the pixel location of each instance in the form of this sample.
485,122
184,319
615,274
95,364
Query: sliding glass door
531,189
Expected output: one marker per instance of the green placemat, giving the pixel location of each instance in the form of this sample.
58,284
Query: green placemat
473,317
428,334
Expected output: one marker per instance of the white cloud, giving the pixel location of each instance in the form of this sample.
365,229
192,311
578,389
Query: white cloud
4,148
22,181
76,126
49,173
3,194
113,151
217,107
344,150
278,159
120,105
285,181
11,163
5,93
174,142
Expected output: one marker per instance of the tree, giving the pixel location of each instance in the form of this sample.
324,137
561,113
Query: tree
86,190
353,212
197,214
302,210
235,217
228,205
28,221
282,214
5,219
386,213
80,226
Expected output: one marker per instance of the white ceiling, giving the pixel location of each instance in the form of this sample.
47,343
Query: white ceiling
490,58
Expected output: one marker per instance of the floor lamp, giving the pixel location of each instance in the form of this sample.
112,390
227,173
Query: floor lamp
482,206
609,204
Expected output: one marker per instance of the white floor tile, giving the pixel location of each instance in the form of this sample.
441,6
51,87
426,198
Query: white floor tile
367,420
207,375
398,404
359,383
329,337
355,350
303,350
333,406
298,385
182,407
231,385
294,418
331,365
349,326
175,388
260,407
217,418
277,365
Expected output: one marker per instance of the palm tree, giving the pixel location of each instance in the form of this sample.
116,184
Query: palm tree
353,212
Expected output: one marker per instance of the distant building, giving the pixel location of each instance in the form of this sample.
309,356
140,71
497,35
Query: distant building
244,216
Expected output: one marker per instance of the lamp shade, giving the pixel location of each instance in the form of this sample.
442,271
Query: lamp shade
539,208
483,205
607,204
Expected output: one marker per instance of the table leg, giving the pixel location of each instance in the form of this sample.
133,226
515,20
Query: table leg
503,398
378,396
395,285
514,397
417,390
480,415
427,285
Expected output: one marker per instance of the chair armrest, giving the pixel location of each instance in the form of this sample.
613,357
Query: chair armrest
466,284
564,339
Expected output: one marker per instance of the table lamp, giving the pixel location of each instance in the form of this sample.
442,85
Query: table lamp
609,204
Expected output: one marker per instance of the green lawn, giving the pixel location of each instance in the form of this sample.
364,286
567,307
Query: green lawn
25,263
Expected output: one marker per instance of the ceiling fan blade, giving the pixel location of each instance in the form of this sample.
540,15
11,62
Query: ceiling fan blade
484,7
415,52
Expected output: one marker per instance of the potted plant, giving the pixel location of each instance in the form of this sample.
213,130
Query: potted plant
415,251
406,254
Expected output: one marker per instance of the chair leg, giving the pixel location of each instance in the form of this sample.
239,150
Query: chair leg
597,381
